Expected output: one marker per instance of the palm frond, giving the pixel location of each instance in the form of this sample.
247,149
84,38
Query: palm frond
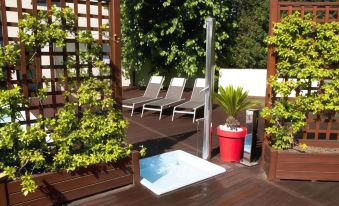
233,100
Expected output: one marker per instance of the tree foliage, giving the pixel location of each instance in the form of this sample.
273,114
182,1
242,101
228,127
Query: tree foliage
170,34
246,47
308,54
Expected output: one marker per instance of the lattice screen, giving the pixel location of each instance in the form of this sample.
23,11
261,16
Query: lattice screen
319,127
49,61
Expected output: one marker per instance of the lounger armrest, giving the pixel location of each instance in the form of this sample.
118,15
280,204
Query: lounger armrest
200,120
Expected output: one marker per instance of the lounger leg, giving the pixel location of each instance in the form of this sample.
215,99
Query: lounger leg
194,115
142,112
132,111
173,114
160,113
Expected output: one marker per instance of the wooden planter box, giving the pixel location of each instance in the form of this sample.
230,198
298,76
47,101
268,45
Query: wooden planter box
58,188
279,164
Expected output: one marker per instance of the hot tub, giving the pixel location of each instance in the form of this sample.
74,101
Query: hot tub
172,170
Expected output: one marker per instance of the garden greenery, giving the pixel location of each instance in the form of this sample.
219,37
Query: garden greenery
308,55
246,47
170,34
23,150
167,37
86,131
232,101
95,134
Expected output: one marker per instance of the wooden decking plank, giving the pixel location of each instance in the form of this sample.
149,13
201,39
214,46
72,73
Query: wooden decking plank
238,186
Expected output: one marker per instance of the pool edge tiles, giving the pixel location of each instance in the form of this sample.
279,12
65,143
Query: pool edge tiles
173,170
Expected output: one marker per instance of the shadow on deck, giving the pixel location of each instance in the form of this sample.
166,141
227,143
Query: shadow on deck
240,185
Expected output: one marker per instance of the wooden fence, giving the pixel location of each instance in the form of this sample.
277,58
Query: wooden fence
319,131
48,62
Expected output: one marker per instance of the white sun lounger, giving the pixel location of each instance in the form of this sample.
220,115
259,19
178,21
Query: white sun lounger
173,97
197,100
151,94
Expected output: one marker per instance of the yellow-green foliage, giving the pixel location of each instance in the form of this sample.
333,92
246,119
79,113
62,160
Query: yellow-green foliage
94,134
303,147
308,52
87,130
22,151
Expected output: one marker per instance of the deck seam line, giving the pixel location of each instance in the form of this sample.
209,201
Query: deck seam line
295,194
159,133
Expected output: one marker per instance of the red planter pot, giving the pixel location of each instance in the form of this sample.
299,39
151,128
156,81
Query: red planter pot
231,144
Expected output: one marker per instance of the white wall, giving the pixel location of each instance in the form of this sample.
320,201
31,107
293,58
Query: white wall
253,80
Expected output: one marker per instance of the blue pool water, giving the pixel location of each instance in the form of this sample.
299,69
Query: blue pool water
172,170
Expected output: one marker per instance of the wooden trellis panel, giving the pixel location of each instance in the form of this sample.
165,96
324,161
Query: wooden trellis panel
91,16
319,129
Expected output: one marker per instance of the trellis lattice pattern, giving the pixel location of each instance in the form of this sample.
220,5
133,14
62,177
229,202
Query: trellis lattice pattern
49,67
319,128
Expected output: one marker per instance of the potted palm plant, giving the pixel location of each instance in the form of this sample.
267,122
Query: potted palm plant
231,134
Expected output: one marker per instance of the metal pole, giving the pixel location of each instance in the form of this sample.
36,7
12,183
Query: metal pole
209,80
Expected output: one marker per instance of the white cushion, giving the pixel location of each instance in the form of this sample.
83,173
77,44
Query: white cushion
156,79
178,82
200,82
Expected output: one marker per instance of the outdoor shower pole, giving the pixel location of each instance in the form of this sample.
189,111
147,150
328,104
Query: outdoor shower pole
209,81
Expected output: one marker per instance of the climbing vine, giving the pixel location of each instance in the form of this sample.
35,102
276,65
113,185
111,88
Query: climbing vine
308,55
87,130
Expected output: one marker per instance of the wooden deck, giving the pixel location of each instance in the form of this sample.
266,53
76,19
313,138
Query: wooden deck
240,185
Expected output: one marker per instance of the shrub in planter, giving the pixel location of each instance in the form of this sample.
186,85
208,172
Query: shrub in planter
231,135
86,131
79,138
23,151
308,55
94,134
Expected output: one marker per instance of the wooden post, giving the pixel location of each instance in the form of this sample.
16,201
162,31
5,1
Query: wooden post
271,70
5,38
327,14
37,61
64,50
115,54
23,66
4,22
77,45
3,192
88,28
136,167
272,168
271,59
51,62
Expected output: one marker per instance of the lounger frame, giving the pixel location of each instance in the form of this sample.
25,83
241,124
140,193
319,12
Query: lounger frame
193,108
